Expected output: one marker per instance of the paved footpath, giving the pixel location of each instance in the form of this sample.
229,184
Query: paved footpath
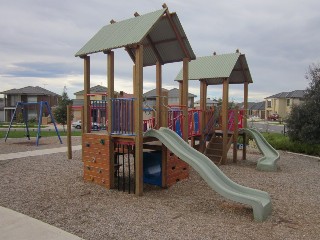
33,153
15,226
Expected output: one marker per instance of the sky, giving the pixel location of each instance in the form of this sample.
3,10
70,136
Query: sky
39,39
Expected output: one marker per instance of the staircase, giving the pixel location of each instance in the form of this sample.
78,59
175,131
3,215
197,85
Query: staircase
214,149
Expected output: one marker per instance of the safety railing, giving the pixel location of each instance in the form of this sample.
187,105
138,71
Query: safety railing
194,116
231,119
98,114
122,116
175,119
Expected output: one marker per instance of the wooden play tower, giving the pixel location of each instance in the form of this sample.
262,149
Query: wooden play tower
156,38
224,69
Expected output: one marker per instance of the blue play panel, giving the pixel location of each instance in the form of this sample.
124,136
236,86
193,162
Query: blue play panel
152,172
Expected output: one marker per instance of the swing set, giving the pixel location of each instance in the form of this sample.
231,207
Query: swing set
23,106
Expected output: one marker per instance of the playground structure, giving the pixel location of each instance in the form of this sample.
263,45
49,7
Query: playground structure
158,38
23,107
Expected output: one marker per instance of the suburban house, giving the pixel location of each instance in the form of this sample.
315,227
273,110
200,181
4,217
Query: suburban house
27,95
173,97
281,103
255,109
258,110
98,96
211,103
98,103
1,109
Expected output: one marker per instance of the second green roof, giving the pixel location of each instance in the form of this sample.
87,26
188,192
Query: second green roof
213,69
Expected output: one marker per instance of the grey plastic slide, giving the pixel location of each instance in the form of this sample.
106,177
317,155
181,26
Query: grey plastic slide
260,201
270,156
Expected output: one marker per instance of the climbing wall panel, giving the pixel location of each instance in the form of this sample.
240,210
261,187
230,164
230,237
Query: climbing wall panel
95,157
177,169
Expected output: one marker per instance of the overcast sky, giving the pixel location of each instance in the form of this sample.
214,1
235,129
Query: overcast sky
39,39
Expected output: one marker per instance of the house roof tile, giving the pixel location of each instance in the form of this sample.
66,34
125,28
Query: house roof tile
29,90
95,89
293,94
172,93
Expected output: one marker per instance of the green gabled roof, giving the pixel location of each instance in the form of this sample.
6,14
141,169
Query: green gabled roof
152,30
215,68
121,34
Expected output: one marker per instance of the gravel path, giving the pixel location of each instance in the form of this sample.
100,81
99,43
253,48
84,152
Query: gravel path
50,188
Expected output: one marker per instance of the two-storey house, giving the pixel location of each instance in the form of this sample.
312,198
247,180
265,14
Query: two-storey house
27,94
281,103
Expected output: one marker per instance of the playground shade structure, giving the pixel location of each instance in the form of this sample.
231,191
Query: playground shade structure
270,156
259,200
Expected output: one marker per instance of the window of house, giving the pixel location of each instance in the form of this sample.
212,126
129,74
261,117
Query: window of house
269,103
33,99
288,102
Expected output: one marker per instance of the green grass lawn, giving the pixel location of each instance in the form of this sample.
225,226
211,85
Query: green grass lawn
22,126
22,134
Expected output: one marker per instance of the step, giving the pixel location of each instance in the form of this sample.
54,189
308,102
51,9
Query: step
215,145
214,158
213,151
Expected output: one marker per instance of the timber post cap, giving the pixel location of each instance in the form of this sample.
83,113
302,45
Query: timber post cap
164,5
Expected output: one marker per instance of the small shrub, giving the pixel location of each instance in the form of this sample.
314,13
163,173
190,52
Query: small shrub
281,142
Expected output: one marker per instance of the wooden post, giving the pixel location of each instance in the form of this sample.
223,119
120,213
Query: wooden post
203,108
158,93
82,120
235,134
185,82
86,124
110,80
180,93
69,143
225,99
245,106
138,105
164,121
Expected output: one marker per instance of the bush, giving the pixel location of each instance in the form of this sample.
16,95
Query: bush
281,142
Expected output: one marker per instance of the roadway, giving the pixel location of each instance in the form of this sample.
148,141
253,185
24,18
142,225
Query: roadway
267,126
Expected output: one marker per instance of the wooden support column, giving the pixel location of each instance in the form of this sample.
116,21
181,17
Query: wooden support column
86,124
235,134
225,100
245,106
203,108
180,93
164,120
110,94
138,119
69,143
185,85
82,119
158,93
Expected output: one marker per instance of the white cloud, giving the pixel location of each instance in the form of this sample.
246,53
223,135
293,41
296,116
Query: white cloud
39,39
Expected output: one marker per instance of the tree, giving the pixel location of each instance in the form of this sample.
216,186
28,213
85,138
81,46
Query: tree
304,120
60,113
231,105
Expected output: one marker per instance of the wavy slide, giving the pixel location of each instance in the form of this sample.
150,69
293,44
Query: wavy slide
260,201
270,155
